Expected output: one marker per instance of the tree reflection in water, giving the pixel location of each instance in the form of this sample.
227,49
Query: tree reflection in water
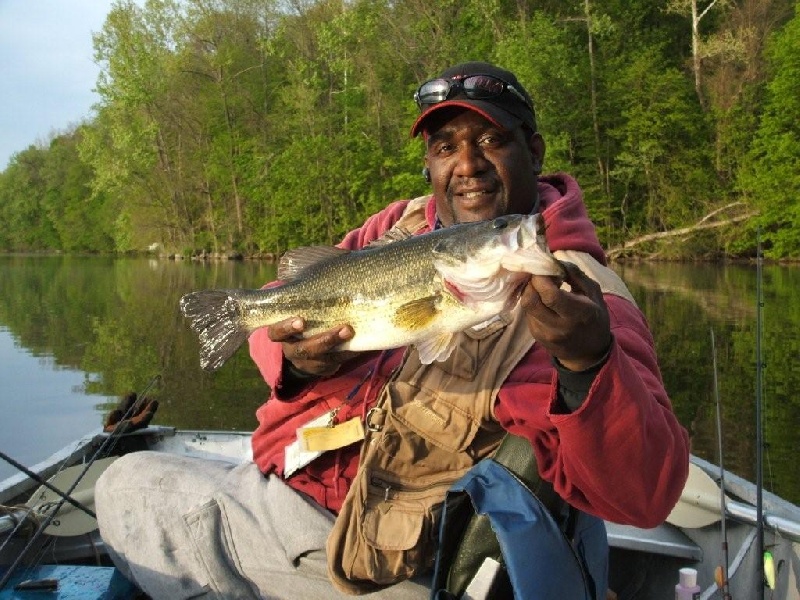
117,322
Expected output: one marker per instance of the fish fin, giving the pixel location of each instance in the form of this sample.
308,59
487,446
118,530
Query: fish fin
215,316
416,314
297,260
438,348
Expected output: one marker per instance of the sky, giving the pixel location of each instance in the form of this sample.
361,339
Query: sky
47,71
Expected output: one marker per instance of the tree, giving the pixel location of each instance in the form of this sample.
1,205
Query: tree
664,167
22,191
696,15
771,181
80,218
250,125
734,76
130,148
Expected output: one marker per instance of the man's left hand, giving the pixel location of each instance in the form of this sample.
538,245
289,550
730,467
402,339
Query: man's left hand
572,325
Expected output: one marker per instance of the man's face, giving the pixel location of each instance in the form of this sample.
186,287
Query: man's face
480,171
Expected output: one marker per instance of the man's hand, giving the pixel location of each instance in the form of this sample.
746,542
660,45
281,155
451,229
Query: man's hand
315,355
130,415
572,325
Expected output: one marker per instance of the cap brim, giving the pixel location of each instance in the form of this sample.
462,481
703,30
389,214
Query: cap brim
489,111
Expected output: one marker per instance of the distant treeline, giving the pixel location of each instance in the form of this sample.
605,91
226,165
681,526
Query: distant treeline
252,126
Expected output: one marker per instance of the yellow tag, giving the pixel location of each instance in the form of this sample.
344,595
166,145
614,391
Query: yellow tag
320,439
294,456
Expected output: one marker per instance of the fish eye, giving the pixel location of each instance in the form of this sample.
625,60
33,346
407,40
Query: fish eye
499,223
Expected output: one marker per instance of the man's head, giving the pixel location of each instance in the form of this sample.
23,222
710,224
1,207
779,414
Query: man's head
482,148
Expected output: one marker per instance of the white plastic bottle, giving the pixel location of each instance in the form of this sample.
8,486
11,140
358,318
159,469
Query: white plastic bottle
687,588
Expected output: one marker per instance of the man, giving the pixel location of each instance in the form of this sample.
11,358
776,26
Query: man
572,369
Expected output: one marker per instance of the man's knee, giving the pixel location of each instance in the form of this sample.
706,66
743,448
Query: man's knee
120,474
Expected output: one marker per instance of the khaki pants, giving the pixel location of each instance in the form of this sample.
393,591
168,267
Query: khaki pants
186,528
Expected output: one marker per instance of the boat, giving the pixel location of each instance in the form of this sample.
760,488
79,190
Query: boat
62,553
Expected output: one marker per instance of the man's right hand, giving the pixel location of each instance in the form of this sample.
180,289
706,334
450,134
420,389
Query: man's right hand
316,355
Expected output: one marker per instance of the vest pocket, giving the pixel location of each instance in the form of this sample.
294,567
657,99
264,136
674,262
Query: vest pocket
399,526
391,527
385,533
436,420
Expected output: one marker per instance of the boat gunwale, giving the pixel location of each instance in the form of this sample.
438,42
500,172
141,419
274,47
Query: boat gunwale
16,486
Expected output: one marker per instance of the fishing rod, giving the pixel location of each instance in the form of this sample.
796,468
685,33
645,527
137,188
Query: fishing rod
107,444
47,484
759,419
722,580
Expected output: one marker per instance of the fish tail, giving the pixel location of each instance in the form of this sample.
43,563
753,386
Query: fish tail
216,317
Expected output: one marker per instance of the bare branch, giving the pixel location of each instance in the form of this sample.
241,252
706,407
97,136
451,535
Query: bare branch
708,8
701,225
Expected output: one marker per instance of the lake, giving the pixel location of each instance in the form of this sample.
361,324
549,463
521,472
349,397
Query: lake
78,332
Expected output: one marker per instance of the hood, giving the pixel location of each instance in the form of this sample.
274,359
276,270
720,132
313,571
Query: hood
567,224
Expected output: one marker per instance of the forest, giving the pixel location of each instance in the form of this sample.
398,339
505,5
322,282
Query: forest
247,127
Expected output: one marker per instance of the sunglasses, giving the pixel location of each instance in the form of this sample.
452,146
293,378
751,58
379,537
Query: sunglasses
476,87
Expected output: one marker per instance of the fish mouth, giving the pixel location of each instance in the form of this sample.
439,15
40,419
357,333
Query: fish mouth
519,287
515,280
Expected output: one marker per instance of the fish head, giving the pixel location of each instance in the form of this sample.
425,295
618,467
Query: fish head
471,259
484,240
531,254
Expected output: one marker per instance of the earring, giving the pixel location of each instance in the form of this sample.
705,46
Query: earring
426,174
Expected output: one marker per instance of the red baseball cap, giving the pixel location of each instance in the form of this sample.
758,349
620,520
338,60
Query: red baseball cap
498,96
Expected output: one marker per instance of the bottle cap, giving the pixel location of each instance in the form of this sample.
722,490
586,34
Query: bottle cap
688,577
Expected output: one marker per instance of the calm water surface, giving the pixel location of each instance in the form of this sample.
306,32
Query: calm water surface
75,333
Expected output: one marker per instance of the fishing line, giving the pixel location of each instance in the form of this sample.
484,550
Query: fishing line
735,564
108,444
31,516
46,484
723,582
759,421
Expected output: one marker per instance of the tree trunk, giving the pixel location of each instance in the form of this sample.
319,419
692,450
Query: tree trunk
698,84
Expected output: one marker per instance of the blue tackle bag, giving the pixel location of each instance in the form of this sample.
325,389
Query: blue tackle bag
505,534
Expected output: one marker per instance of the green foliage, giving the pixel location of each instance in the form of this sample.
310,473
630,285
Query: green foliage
557,80
772,177
664,160
252,125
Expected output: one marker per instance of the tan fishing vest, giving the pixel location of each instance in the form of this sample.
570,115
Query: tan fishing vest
430,425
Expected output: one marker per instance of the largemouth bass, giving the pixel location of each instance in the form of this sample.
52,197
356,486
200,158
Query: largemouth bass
420,290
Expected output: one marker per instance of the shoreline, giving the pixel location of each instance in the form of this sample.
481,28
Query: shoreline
274,258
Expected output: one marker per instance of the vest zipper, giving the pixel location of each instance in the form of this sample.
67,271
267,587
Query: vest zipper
388,487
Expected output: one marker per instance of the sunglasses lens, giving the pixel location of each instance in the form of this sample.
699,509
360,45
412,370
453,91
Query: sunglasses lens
433,91
483,86
477,87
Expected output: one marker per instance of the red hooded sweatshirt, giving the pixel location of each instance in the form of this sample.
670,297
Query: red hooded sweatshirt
622,455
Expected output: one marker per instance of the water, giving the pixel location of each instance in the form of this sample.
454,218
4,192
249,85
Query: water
49,413
76,333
